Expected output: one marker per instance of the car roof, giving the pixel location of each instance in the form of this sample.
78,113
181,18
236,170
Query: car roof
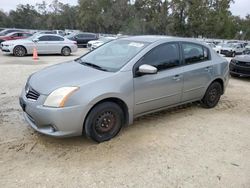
156,38
41,35
18,32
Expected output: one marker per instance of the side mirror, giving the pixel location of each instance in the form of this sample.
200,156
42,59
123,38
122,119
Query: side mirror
147,69
35,40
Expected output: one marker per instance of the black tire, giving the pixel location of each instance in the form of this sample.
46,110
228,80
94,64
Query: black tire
19,51
212,95
66,51
104,122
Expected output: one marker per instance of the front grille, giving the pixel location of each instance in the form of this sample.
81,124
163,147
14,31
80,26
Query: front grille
244,64
224,51
32,94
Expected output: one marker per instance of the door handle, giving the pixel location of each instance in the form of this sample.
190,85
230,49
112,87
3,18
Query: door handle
208,68
177,78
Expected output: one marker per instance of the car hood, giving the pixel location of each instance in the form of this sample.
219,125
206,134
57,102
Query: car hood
63,75
243,58
93,41
227,48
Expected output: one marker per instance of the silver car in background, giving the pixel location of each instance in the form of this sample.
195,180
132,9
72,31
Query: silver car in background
105,89
44,43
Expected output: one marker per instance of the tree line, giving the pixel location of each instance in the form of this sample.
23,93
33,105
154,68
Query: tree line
187,18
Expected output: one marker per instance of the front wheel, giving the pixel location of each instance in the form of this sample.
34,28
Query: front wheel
19,51
212,95
104,122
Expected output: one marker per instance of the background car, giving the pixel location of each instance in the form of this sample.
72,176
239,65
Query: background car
82,38
240,65
247,46
45,44
96,43
7,31
214,47
59,32
15,36
232,49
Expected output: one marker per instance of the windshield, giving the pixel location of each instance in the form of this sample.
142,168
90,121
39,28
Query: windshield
72,34
228,45
113,55
106,39
33,36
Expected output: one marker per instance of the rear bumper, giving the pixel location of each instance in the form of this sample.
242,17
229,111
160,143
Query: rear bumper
74,48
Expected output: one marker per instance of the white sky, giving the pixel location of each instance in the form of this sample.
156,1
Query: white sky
239,8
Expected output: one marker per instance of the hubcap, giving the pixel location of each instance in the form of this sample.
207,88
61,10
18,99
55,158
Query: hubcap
19,51
105,122
213,95
66,52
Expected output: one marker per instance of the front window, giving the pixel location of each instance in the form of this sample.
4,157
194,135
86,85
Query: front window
113,55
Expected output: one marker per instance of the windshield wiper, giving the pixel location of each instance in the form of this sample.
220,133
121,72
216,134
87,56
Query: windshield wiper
91,65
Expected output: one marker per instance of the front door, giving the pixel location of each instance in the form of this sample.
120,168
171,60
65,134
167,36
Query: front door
152,92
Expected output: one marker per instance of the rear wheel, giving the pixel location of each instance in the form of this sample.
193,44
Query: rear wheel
66,51
104,122
212,95
19,51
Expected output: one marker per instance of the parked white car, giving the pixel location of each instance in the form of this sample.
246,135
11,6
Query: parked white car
248,46
214,47
44,43
232,49
96,43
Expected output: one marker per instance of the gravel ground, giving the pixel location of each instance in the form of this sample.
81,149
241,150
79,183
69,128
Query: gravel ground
186,146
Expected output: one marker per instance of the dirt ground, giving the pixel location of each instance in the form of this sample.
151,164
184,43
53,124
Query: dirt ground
183,147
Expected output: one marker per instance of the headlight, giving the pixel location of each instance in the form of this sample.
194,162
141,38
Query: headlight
234,61
59,97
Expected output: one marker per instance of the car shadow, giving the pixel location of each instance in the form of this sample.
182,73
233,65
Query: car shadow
83,141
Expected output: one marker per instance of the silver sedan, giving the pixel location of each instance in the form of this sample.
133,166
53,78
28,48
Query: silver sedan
44,43
105,89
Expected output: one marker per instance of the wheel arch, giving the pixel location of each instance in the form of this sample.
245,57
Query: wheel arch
26,51
66,47
115,100
221,82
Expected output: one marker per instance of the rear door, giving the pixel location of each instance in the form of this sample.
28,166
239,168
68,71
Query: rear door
198,70
155,91
55,44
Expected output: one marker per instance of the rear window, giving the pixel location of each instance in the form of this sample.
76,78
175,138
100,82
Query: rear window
195,53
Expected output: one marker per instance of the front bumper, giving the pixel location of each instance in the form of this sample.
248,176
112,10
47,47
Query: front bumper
240,69
57,122
7,49
226,53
